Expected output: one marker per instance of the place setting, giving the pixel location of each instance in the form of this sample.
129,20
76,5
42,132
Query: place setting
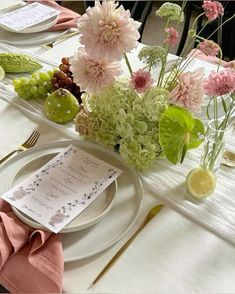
42,23
98,219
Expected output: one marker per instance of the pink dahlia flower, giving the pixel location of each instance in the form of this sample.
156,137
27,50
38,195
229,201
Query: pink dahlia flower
172,36
141,80
189,91
92,75
213,9
230,64
108,31
220,83
209,48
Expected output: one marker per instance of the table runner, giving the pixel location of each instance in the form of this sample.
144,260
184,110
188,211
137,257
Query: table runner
215,213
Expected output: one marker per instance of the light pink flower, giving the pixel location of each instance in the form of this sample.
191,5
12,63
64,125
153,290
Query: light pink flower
92,75
108,31
209,48
220,8
141,80
172,36
189,91
220,83
213,9
230,64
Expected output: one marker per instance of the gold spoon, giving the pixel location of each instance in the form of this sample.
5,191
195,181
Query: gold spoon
153,211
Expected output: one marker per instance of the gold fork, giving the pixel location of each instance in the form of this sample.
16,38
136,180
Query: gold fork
61,39
30,142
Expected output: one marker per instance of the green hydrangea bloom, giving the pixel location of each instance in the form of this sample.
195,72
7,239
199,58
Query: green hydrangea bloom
171,11
123,118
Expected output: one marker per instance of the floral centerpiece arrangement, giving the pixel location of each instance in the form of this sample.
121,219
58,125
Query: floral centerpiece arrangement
146,115
150,113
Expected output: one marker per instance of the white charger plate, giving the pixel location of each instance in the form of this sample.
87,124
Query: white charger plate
90,216
30,39
42,26
91,241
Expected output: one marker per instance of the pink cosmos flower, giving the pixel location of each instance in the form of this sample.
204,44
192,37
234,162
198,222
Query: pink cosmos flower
213,9
220,8
172,36
220,83
92,75
189,91
108,31
141,80
209,48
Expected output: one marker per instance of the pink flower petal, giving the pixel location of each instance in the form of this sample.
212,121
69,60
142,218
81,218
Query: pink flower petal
141,80
189,91
92,75
108,31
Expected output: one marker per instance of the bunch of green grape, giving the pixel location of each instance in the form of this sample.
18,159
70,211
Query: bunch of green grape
37,86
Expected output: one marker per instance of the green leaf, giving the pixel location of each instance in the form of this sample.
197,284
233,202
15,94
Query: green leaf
196,134
224,105
179,131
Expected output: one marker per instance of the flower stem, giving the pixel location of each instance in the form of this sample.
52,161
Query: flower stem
128,64
221,26
215,143
220,59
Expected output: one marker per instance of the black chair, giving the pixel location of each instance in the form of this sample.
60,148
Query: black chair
190,8
139,11
3,290
224,36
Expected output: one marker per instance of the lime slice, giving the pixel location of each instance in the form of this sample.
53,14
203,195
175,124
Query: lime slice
201,182
2,73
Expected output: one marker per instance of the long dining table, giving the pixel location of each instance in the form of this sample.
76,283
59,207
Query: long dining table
172,254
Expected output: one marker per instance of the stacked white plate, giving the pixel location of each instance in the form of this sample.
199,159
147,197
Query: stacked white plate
35,34
105,221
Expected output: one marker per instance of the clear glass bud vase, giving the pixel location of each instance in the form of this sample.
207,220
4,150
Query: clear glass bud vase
214,143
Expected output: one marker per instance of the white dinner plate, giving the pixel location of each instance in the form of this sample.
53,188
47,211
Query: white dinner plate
93,240
90,216
42,26
29,39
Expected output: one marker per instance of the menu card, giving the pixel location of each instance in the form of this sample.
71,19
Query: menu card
27,16
62,188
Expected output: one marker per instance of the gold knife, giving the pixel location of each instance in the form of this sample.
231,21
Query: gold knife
153,211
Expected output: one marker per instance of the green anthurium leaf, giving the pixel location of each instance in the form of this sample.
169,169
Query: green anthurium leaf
173,151
196,134
178,131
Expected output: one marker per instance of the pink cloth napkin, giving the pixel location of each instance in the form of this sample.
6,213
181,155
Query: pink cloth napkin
31,261
198,54
67,18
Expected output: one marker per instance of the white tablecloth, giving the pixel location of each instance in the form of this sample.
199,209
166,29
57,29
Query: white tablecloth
172,254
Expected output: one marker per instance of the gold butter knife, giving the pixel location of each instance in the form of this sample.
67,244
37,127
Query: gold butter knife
153,211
